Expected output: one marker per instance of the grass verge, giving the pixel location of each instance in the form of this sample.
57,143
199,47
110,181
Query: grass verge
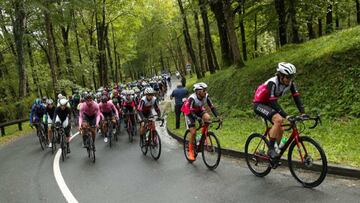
12,132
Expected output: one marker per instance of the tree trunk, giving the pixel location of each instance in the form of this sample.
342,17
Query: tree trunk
217,8
294,25
180,56
115,55
237,60
19,28
320,26
50,46
329,19
198,32
358,12
100,28
255,36
33,74
280,10
6,34
337,23
188,40
65,35
208,42
310,29
77,38
242,27
109,53
57,52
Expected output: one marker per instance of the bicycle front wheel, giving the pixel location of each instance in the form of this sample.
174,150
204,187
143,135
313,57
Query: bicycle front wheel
307,162
211,150
53,142
144,143
130,131
155,145
255,155
41,139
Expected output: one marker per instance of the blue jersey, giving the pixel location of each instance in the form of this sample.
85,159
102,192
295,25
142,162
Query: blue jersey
38,112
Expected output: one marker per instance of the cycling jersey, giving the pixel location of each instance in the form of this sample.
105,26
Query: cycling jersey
269,92
38,111
146,106
50,113
89,111
128,102
197,106
107,108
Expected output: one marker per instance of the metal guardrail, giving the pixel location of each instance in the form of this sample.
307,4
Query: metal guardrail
19,122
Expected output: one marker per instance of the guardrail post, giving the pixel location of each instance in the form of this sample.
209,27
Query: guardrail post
2,131
20,126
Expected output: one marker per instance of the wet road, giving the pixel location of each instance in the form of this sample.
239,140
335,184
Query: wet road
123,174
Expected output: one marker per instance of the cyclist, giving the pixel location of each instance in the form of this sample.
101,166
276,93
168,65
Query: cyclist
50,110
75,102
107,108
90,114
128,106
43,100
147,103
265,101
194,109
62,117
38,110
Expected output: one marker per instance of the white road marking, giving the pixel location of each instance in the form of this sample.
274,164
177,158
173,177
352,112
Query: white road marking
59,178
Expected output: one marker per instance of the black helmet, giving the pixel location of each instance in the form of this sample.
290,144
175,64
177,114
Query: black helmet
104,99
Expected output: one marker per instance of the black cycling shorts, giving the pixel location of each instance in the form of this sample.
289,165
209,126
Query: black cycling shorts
91,120
107,114
190,119
264,111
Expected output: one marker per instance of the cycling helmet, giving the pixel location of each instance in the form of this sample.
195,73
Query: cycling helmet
200,86
44,98
131,92
149,90
49,101
88,97
104,99
63,102
60,96
37,101
286,68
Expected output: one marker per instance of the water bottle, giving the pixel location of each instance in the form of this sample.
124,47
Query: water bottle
277,148
198,138
283,142
147,135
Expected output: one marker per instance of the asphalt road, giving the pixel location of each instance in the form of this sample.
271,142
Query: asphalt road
123,174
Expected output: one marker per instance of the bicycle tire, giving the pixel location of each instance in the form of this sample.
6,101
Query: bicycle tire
293,163
63,148
92,149
53,141
110,131
130,131
144,144
261,152
40,139
155,143
207,145
186,146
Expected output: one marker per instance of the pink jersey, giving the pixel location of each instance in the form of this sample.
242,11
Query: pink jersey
108,107
90,110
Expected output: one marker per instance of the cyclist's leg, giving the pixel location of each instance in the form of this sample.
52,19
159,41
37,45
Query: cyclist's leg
49,131
191,124
205,117
67,128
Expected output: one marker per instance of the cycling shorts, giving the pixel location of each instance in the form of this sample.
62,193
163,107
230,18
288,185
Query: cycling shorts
190,119
264,111
91,120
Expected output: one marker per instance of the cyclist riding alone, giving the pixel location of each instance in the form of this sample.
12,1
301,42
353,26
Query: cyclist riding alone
147,103
50,111
38,110
107,109
266,105
89,116
62,118
194,109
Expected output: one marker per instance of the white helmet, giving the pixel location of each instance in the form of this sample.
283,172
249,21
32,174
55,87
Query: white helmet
63,102
286,68
200,86
49,101
60,96
131,92
149,90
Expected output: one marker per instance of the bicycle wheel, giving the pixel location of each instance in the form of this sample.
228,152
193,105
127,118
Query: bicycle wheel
53,141
186,146
310,172
144,143
155,145
92,149
63,148
211,150
110,133
256,157
130,130
40,136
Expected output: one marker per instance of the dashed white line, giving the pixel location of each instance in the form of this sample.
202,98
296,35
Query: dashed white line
59,178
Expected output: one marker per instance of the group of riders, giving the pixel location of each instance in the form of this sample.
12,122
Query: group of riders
139,97
134,101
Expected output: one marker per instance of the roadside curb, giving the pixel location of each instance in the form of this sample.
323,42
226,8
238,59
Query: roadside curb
332,168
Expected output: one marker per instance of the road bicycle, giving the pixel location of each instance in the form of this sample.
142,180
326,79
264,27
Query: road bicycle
306,159
54,138
40,132
208,145
151,138
130,126
89,143
108,127
61,133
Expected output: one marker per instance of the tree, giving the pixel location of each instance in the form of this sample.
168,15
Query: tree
228,12
19,29
329,18
357,12
294,24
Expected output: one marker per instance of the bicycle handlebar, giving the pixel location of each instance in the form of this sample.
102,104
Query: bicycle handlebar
220,121
294,119
158,119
